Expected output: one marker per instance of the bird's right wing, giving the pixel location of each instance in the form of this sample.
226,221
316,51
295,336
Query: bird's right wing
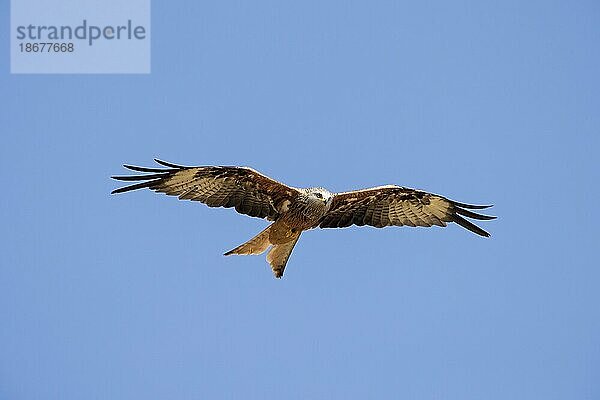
249,191
397,206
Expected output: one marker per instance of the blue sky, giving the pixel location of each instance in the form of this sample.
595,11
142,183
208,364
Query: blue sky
129,296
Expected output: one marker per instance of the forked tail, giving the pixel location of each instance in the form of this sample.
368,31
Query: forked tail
257,245
278,256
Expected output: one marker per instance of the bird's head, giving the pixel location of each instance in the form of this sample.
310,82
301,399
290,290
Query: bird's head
320,194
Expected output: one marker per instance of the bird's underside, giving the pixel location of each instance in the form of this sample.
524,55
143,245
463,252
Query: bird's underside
294,210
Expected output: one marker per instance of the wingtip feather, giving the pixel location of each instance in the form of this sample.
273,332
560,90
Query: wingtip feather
144,169
471,206
168,164
469,226
474,215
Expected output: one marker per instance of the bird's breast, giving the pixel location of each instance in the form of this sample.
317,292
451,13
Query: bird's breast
304,215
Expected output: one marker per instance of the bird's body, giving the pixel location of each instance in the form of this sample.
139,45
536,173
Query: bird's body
294,210
307,208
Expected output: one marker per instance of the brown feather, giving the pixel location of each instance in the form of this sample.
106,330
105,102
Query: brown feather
245,189
396,205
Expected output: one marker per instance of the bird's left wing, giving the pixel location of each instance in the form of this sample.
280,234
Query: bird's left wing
395,205
249,191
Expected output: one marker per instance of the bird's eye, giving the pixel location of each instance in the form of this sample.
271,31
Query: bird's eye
319,195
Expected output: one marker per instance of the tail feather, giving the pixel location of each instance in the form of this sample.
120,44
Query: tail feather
257,245
280,254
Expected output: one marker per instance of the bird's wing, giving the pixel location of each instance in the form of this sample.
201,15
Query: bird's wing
249,191
395,205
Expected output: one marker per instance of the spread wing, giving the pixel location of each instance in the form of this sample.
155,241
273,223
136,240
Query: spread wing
395,205
249,191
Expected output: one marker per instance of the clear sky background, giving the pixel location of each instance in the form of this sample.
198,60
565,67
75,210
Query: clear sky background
124,297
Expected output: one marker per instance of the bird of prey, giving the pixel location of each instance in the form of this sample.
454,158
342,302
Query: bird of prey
294,210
